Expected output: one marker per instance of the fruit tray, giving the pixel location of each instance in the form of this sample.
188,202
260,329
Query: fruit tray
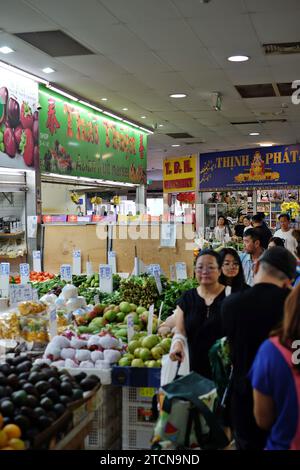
136,376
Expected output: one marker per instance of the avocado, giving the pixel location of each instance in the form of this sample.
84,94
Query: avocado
38,411
23,367
24,376
42,386
26,411
22,421
9,390
44,422
66,388
53,394
54,382
19,359
30,389
22,382
87,384
31,401
46,403
19,397
3,379
7,408
52,415
79,377
59,409
2,391
64,399
13,381
77,394
34,377
5,369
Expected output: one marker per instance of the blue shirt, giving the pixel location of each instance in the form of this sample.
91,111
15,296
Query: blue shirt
247,264
272,375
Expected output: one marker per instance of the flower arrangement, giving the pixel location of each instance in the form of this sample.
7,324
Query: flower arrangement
291,208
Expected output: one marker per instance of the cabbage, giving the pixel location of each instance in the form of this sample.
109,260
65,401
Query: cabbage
112,356
69,291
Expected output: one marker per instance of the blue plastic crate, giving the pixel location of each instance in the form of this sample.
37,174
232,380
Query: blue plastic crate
136,376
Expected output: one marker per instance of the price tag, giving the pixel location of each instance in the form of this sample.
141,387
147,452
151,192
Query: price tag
150,320
66,272
89,269
52,322
172,272
130,327
24,273
20,293
153,268
181,273
147,392
4,279
160,312
112,261
158,282
37,267
105,278
77,262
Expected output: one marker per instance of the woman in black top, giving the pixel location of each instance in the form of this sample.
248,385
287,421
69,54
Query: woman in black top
239,227
232,274
198,314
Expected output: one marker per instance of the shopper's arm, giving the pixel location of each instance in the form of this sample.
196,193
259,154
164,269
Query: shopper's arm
264,410
177,349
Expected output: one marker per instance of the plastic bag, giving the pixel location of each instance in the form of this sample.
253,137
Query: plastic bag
169,367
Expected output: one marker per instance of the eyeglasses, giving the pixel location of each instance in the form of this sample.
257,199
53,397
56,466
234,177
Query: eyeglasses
209,269
227,264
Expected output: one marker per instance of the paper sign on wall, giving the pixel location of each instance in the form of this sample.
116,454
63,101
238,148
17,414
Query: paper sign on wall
4,279
153,268
24,273
77,262
172,272
105,278
32,226
181,273
130,327
37,267
66,272
150,320
112,261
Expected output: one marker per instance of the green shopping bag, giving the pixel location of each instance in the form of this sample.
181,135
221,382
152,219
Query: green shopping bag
187,418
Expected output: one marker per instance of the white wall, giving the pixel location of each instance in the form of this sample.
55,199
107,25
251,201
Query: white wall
56,199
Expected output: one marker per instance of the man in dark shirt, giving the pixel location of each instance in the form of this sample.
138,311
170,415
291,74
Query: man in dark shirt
248,318
262,228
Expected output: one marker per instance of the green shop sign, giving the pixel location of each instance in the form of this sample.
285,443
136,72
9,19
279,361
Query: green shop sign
78,141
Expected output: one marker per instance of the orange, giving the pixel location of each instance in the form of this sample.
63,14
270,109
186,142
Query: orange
12,431
16,444
3,439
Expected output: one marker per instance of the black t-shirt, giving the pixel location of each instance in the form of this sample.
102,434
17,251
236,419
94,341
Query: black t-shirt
203,327
239,230
248,318
265,234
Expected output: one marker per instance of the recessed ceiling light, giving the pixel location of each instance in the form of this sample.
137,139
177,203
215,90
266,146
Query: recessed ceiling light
238,58
124,109
48,70
266,144
103,99
143,117
6,50
160,125
254,133
178,95
175,145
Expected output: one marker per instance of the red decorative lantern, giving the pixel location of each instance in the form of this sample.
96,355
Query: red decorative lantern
186,197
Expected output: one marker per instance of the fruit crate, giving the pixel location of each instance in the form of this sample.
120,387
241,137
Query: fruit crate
136,376
137,438
106,426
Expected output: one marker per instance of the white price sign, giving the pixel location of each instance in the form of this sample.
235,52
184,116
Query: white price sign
150,320
105,278
4,279
130,327
37,267
66,272
112,261
172,272
158,282
153,268
89,269
20,293
77,262
181,273
52,322
24,273
160,312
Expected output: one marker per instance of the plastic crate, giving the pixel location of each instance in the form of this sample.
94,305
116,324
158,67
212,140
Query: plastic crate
136,376
137,394
137,438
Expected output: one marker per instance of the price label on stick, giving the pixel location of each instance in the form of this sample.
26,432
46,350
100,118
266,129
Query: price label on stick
158,282
37,267
24,273
160,312
181,273
89,269
150,320
77,262
172,272
4,279
66,272
112,261
105,278
130,327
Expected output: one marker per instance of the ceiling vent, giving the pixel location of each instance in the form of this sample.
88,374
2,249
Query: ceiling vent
198,142
263,90
55,43
181,135
258,121
285,89
282,48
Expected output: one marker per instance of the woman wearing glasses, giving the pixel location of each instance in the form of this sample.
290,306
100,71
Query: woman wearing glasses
198,314
232,275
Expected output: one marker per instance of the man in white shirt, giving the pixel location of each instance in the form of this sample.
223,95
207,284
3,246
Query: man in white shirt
285,232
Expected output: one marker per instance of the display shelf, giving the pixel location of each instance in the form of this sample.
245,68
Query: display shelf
5,236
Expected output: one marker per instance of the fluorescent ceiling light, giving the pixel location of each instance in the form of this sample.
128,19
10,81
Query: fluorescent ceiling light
113,115
266,144
178,95
146,130
143,117
130,123
63,93
238,58
103,99
90,105
79,179
6,50
124,109
160,125
23,73
48,70
254,133
175,145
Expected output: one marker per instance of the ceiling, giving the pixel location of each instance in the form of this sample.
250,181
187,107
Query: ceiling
143,50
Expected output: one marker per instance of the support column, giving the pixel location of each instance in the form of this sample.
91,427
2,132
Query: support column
140,199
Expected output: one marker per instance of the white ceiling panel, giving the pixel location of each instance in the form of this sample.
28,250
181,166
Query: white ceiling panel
279,26
185,57
216,8
269,6
249,74
136,10
16,16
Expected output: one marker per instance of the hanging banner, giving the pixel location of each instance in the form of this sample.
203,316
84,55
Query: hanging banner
19,125
179,174
249,168
78,141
